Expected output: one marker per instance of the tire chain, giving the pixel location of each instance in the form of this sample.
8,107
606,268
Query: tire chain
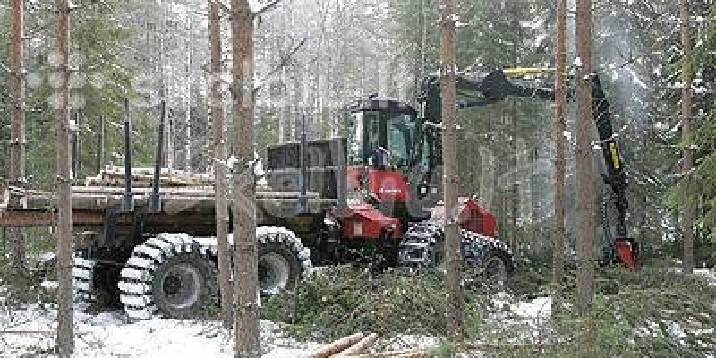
82,284
135,283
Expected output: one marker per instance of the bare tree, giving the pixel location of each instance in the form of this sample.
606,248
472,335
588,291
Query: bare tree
65,334
246,330
584,160
216,109
16,86
560,161
453,255
687,216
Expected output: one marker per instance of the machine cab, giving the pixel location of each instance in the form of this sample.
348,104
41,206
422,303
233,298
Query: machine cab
384,134
393,156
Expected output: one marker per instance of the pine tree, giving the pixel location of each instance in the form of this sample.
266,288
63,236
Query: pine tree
585,177
453,256
560,163
16,88
65,336
216,108
246,310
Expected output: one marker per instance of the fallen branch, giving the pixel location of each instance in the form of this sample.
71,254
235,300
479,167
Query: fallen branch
359,347
337,346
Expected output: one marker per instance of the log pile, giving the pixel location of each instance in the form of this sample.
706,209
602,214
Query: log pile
113,176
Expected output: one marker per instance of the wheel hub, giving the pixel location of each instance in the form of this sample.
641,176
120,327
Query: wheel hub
180,286
273,273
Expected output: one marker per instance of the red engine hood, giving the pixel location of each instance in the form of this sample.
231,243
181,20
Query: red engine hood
365,222
475,218
384,185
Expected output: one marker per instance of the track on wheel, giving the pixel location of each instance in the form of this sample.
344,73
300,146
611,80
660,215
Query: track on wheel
82,276
175,275
422,247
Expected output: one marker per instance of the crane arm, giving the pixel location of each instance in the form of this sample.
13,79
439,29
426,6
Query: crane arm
478,90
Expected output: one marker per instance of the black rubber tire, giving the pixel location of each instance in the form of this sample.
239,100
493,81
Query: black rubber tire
279,246
195,287
138,283
272,254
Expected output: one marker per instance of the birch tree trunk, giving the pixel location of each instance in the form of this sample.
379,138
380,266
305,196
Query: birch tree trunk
246,330
560,161
65,343
687,216
216,110
453,257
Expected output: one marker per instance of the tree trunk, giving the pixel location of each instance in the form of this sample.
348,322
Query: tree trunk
216,110
187,98
16,88
585,179
560,162
163,86
687,216
584,160
246,310
453,257
65,343
514,195
100,143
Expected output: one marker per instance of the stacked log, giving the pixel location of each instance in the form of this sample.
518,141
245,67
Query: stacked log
144,177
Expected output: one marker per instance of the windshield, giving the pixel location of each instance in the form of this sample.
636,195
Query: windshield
381,138
400,139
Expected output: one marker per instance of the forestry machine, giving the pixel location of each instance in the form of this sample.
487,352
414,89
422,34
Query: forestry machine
322,202
396,157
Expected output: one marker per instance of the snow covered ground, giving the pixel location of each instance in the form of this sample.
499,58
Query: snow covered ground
108,334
